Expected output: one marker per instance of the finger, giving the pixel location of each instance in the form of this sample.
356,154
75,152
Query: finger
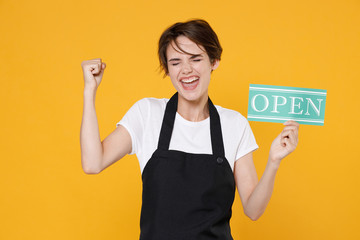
100,65
292,138
282,142
96,59
291,123
101,72
285,133
296,132
290,128
95,68
289,145
295,127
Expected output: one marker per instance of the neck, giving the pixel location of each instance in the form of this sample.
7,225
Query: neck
194,111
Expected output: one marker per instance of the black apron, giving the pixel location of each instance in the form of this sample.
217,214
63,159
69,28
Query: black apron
187,196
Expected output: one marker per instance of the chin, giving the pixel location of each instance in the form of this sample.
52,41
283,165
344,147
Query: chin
190,96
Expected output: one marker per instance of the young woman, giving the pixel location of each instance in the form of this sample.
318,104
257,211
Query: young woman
192,153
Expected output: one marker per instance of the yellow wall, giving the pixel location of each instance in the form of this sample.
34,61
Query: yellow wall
46,195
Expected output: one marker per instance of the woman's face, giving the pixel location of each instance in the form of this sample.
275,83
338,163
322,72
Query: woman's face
190,74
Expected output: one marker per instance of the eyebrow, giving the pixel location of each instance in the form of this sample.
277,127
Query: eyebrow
195,56
192,57
174,59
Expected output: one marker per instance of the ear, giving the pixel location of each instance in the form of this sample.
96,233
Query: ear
215,64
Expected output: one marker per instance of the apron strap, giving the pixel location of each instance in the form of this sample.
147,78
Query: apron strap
168,125
168,122
215,131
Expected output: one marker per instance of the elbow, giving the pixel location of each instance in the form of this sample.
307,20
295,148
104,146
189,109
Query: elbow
90,170
253,216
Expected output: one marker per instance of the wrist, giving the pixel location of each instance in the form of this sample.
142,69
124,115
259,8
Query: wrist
274,163
89,90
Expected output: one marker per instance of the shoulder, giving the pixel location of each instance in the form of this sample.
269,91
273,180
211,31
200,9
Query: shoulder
150,105
150,102
230,116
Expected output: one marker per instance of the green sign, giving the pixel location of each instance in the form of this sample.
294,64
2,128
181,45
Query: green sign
278,104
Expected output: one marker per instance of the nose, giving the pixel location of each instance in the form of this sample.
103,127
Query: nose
186,68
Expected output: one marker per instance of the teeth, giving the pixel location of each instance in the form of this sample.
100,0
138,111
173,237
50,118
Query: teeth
190,80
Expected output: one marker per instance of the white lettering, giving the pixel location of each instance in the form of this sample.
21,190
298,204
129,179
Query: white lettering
276,104
297,105
313,106
253,103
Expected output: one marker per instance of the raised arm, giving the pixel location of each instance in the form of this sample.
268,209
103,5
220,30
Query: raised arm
254,194
96,155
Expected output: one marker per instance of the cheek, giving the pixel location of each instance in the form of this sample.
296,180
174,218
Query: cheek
173,71
203,68
204,71
173,76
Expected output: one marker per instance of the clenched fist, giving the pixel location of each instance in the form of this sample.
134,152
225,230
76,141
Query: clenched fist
93,71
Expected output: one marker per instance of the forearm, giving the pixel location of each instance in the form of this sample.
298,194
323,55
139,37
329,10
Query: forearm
260,197
91,147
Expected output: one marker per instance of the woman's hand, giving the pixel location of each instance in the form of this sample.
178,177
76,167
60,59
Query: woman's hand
93,71
285,142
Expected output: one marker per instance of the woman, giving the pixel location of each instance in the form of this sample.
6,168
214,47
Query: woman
192,154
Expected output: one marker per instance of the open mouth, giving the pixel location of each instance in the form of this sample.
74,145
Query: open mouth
190,83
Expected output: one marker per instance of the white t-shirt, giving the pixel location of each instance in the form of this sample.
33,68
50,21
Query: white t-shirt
144,119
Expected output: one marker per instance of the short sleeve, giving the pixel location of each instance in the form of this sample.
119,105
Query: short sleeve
247,142
133,121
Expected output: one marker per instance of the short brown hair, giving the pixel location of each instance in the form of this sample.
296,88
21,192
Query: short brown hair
198,31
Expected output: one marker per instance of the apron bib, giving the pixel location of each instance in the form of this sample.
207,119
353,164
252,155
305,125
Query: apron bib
187,196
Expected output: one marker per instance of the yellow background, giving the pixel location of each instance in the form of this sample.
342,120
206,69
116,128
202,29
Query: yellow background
46,195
